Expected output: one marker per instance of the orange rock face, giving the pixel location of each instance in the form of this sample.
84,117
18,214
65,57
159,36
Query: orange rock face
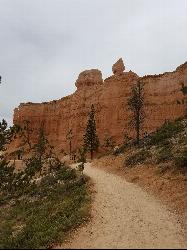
165,99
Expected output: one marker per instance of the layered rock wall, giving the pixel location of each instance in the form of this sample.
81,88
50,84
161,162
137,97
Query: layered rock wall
165,99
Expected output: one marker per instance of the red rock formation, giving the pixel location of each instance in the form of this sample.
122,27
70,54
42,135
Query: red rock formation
164,95
118,67
89,78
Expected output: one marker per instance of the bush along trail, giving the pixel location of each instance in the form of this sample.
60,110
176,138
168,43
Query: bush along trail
41,202
38,214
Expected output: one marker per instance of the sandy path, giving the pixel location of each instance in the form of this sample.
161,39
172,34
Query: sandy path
124,216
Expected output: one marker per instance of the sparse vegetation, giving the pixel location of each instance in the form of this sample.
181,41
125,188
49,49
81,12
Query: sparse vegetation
137,158
181,159
164,155
165,147
41,215
127,140
162,169
164,152
37,207
127,143
167,131
109,143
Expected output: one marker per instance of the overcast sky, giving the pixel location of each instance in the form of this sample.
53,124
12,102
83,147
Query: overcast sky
45,44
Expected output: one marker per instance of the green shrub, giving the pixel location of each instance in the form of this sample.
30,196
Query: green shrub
162,169
7,176
35,213
82,155
45,212
109,142
166,132
121,150
165,154
181,159
138,157
166,144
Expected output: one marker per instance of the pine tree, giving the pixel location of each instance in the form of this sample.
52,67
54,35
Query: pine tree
42,144
6,134
91,140
25,132
69,137
136,105
3,134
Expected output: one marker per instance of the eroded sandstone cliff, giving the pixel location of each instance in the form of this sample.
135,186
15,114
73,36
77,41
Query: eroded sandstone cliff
165,97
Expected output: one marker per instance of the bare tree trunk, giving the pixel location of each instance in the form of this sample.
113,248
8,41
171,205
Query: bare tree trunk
91,152
70,149
138,135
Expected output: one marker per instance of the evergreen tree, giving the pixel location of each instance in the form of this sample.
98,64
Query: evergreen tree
69,137
25,132
136,105
91,140
6,134
42,144
3,134
7,171
82,155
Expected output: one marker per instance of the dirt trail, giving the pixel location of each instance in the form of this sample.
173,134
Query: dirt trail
124,216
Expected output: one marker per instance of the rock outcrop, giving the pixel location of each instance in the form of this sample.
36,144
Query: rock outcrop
89,78
164,97
118,67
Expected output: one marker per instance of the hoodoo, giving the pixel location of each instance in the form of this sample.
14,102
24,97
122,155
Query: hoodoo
118,67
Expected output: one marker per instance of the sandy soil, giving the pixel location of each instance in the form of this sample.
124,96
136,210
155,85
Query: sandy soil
124,216
169,187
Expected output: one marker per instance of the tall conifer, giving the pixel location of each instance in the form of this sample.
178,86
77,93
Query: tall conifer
136,104
91,140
